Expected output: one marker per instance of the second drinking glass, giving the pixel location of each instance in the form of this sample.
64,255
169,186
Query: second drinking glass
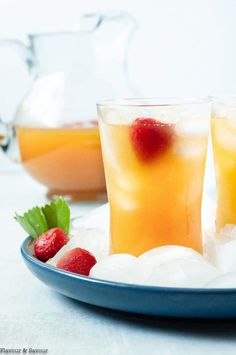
223,126
154,155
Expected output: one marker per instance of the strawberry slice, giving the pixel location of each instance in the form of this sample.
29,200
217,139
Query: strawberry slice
77,260
49,243
150,137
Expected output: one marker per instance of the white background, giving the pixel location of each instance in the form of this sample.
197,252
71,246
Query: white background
184,47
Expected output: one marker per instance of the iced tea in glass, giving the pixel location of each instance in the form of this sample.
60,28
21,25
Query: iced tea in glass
223,128
154,155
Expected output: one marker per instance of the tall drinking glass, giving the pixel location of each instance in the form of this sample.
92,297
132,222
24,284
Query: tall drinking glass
223,127
154,154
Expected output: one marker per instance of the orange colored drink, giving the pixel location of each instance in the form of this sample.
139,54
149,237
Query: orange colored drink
67,160
223,126
154,172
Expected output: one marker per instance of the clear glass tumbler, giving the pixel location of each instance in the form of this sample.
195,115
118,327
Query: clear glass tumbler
154,153
223,128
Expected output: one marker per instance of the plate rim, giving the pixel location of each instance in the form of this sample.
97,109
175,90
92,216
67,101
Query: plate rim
86,279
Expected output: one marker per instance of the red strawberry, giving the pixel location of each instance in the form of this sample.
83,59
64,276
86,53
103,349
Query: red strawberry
150,137
49,243
77,260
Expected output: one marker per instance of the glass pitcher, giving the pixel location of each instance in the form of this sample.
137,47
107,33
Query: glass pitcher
56,122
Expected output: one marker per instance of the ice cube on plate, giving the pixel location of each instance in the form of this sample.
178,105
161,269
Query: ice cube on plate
228,232
93,240
223,255
121,268
96,241
227,280
167,253
97,219
220,248
182,273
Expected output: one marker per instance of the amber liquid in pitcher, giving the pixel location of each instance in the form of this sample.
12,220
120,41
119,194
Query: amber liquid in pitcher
68,160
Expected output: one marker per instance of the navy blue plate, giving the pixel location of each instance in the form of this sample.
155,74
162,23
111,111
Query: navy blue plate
149,300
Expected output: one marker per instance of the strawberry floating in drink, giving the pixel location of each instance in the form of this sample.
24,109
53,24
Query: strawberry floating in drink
150,137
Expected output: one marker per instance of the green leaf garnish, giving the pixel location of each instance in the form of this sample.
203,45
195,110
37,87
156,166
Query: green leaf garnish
38,220
57,214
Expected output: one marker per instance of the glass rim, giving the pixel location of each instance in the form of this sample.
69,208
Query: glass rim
171,101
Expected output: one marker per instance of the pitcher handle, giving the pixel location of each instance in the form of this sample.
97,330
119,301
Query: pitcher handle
25,52
7,131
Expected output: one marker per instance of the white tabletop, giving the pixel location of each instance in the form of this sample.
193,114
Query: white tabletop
32,315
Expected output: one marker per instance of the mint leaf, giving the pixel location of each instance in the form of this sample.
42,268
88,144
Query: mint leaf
33,222
26,225
57,214
38,220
